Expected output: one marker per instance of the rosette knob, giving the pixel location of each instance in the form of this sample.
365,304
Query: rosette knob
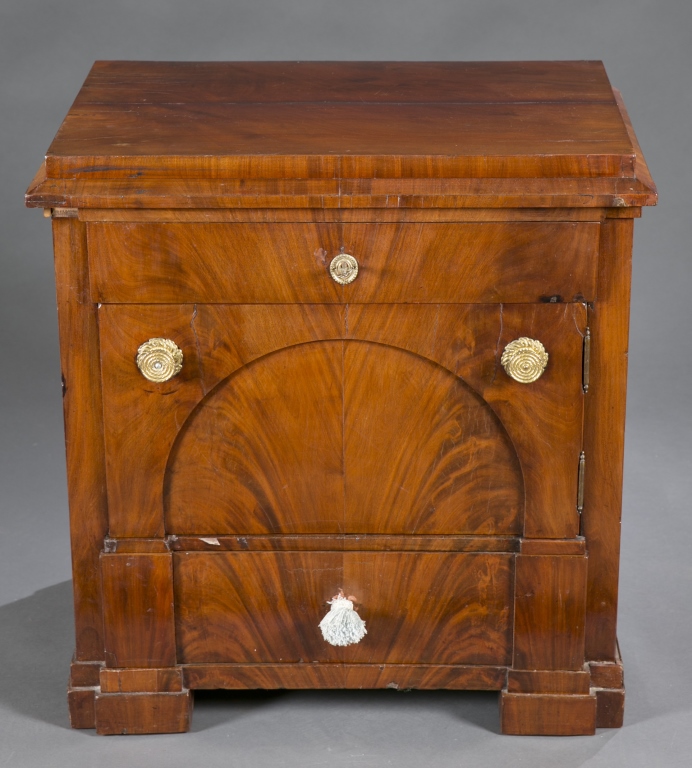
159,360
524,360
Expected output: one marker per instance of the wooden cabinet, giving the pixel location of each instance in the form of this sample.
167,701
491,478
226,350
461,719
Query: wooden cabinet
347,327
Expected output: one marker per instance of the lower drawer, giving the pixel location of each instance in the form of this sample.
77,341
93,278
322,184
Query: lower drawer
419,607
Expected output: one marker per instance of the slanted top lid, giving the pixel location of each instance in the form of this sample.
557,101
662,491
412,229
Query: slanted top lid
344,120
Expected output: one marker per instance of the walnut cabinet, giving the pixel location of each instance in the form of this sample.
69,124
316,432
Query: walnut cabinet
354,327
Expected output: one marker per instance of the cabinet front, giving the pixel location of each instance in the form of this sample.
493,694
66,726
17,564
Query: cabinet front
360,437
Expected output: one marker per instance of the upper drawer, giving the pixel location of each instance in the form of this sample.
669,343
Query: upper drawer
397,263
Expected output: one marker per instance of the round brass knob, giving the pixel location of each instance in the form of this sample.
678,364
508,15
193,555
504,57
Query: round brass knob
344,268
159,360
524,360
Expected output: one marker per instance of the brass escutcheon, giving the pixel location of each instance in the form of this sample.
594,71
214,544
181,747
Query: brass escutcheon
159,360
344,268
524,360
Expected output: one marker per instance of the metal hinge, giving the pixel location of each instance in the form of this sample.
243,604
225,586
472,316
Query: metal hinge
580,482
586,361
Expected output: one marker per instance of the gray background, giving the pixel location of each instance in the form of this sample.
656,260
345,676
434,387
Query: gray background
46,49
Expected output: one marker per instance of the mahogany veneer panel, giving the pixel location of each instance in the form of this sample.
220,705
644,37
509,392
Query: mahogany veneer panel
351,120
544,420
138,610
81,703
549,612
605,415
353,542
166,82
135,713
418,607
161,680
547,714
143,421
350,140
547,681
81,389
287,263
443,461
264,453
339,675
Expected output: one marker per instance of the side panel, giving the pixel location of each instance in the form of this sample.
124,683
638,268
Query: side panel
604,436
86,474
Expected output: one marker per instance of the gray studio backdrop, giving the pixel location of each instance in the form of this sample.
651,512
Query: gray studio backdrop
46,49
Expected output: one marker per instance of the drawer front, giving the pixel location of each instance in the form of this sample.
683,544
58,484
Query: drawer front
239,607
289,263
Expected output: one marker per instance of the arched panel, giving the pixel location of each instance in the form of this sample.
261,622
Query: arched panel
423,453
343,437
262,453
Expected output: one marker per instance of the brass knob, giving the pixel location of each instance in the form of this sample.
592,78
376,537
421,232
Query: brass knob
524,360
344,268
159,360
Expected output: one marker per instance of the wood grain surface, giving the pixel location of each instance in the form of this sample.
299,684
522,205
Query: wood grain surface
349,676
548,681
302,120
435,198
138,610
345,214
604,437
155,680
85,674
547,714
166,82
142,420
549,610
81,707
418,607
136,713
263,453
86,470
354,542
350,140
344,438
543,419
422,452
286,263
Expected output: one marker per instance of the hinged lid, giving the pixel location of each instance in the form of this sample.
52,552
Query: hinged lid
344,134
